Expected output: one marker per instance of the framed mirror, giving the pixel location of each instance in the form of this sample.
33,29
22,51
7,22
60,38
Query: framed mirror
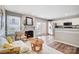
1,17
29,21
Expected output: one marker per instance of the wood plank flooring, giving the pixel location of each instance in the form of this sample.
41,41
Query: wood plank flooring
67,49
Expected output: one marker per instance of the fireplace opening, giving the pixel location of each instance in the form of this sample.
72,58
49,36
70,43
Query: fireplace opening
29,34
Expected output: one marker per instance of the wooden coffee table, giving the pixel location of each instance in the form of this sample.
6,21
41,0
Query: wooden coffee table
37,44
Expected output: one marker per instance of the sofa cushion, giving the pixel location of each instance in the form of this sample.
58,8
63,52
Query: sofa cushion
20,44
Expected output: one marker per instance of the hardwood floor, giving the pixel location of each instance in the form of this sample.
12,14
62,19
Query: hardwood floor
67,49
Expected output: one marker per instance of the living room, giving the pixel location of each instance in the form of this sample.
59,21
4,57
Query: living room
36,29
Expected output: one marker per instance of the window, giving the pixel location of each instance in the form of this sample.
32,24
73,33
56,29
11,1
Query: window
13,24
40,27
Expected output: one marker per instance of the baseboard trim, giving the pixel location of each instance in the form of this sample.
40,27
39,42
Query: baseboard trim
67,43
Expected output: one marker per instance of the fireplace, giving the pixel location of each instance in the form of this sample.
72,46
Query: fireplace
29,34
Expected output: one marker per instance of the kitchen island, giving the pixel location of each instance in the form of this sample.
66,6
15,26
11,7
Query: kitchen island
68,36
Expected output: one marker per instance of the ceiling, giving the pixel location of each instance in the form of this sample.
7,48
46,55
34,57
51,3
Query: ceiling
45,11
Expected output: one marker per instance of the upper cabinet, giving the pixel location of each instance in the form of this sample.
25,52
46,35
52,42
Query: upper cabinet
74,21
67,23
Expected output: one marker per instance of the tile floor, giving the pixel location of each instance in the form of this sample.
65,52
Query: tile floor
47,39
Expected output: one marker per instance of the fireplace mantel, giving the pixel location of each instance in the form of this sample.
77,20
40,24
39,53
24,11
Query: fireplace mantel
27,28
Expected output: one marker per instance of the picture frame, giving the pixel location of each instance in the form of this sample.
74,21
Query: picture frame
29,21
